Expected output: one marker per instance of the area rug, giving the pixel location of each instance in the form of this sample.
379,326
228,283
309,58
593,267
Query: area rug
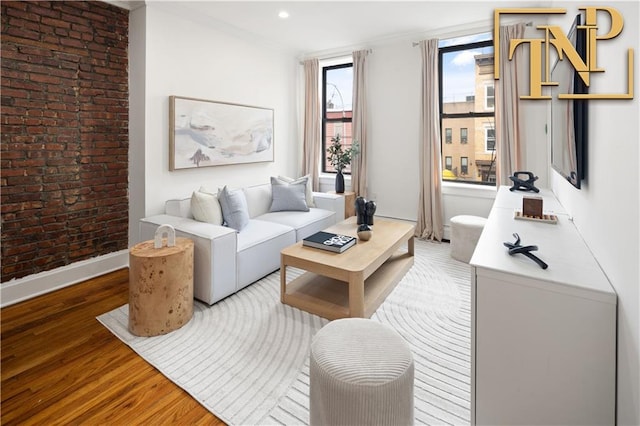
246,358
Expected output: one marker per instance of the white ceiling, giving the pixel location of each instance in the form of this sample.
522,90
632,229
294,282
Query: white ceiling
317,26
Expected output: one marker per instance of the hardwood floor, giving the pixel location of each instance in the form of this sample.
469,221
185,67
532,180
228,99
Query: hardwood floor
61,366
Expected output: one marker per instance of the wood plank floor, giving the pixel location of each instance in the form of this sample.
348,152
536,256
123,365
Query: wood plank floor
61,366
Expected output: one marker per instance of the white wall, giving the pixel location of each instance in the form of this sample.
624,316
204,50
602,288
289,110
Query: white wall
137,125
606,210
394,101
185,57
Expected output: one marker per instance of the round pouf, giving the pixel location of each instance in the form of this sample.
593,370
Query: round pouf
465,233
361,373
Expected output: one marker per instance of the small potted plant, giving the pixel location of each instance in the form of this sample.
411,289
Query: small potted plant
339,157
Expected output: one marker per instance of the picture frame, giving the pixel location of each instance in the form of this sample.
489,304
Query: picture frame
204,133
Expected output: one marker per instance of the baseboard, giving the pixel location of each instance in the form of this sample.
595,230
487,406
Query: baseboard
446,237
21,289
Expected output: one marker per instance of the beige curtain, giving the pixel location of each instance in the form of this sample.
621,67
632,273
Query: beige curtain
312,119
507,99
359,123
430,212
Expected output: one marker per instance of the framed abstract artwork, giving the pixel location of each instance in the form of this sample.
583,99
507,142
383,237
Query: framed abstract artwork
208,133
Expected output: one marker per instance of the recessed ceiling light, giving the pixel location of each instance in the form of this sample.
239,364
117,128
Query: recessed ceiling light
283,14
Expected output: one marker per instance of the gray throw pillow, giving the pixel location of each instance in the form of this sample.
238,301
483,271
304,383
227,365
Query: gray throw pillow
288,197
304,179
234,208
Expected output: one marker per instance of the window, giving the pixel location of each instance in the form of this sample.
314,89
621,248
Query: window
448,135
467,102
489,97
337,111
489,139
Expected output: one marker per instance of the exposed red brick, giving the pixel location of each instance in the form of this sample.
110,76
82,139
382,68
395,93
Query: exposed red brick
64,139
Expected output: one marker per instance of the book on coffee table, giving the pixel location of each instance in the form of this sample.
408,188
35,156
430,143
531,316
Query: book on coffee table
329,241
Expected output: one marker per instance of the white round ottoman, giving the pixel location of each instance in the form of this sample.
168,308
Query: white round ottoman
465,233
361,373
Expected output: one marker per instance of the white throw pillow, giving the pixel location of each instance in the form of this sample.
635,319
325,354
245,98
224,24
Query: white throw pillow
212,191
206,208
304,179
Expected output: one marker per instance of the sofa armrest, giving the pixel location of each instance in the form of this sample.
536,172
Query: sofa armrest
214,255
332,202
180,207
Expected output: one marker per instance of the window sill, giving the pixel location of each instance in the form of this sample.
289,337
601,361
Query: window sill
327,181
468,190
448,188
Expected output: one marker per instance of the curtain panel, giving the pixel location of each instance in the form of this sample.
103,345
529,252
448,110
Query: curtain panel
312,119
507,113
359,123
430,210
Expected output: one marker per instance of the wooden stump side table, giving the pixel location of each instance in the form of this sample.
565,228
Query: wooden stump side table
160,287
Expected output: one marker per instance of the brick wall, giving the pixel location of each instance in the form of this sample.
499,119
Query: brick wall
64,146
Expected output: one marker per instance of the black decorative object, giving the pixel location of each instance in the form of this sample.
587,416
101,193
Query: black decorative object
360,210
516,248
364,232
365,211
339,183
521,184
370,210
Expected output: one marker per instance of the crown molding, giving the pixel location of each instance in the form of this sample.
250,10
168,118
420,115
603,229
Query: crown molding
126,4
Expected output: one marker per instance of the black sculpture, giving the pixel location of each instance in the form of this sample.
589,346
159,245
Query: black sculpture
521,184
365,211
370,210
360,210
516,248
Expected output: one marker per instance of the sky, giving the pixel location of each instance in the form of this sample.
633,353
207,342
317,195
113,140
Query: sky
458,68
342,80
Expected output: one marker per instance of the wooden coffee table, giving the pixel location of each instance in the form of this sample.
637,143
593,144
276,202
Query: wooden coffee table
353,283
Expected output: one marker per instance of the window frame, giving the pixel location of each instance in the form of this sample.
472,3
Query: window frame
448,159
464,168
448,135
487,128
489,113
464,139
324,120
487,97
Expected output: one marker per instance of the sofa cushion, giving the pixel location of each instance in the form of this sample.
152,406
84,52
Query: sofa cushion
260,231
305,223
206,208
259,246
234,208
258,199
304,179
288,197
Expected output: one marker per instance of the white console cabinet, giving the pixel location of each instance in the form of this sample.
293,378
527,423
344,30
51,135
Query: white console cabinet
543,341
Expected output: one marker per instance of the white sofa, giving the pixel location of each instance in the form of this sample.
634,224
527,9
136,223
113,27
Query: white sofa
226,261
